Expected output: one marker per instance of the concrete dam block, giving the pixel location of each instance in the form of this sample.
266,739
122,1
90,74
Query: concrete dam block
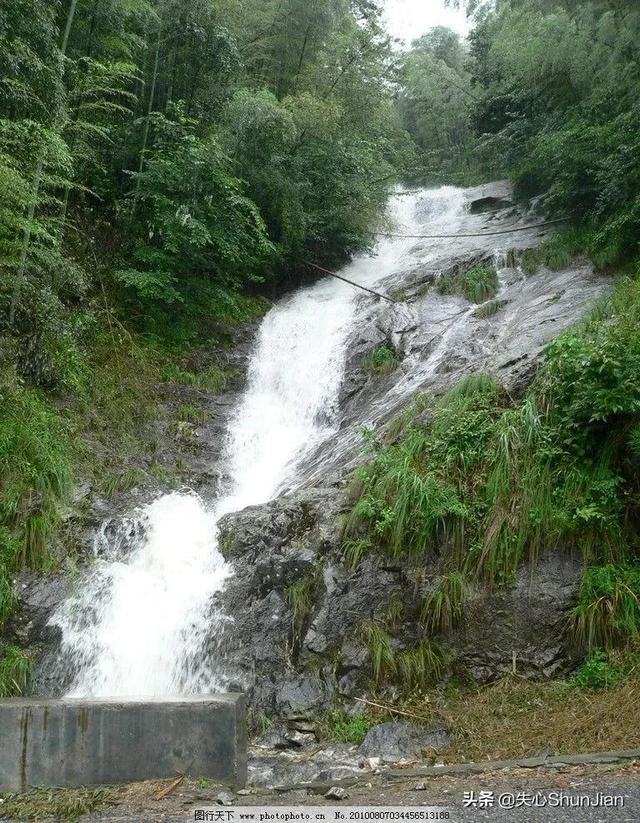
73,742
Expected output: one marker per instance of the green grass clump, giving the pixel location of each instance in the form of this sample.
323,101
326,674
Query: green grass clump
381,362
608,610
443,608
123,481
35,476
477,284
343,728
211,378
190,413
300,597
381,651
422,665
418,666
15,671
561,249
597,672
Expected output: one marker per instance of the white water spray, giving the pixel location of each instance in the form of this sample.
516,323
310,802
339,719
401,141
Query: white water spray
139,625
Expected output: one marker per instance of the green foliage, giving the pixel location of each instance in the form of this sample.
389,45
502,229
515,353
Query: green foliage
597,672
344,728
418,666
211,378
559,250
422,665
443,607
435,107
490,483
554,106
300,597
35,474
477,284
15,671
190,413
381,362
381,652
122,482
608,610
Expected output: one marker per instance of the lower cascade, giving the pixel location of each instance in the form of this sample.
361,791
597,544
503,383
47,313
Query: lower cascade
137,626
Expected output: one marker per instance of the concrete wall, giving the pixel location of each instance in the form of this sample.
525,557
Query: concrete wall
90,742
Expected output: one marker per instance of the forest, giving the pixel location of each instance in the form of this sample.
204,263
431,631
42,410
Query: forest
166,163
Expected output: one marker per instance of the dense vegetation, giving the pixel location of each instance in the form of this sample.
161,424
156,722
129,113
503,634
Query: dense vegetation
545,92
158,160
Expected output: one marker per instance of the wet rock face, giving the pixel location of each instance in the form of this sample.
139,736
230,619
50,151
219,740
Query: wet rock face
523,627
298,659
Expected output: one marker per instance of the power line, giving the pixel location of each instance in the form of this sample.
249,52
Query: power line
350,282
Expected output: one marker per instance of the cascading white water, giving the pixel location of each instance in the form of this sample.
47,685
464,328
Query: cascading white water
138,625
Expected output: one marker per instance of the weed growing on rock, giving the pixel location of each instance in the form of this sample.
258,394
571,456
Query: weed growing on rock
15,671
381,362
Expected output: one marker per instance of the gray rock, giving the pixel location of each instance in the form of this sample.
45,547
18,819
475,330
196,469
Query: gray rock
302,695
527,621
225,799
402,740
337,793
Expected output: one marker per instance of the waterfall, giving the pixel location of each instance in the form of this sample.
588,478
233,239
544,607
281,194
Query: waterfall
139,622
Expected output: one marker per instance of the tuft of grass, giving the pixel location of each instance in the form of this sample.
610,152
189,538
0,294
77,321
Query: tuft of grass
15,671
560,250
54,804
597,672
35,474
353,550
381,362
124,481
489,309
343,728
443,608
381,651
478,284
608,610
211,378
422,665
190,413
300,597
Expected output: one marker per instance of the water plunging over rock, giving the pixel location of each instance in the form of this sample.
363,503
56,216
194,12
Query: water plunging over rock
205,594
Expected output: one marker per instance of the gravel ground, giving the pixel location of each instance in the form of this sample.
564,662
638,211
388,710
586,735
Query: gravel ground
136,803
